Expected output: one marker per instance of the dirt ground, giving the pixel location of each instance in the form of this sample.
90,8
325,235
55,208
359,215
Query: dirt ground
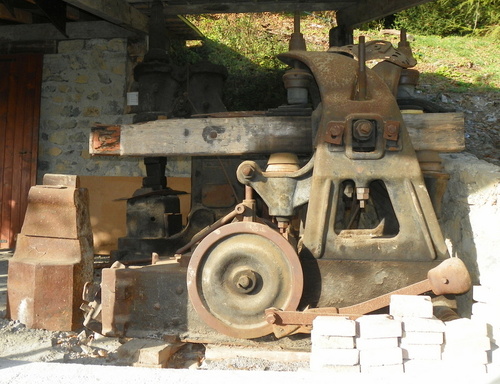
482,126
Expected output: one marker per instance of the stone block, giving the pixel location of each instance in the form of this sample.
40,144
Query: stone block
147,352
382,356
336,368
427,366
417,324
384,342
462,328
482,343
334,326
411,306
487,313
486,294
464,355
378,326
392,369
335,342
421,338
323,357
421,352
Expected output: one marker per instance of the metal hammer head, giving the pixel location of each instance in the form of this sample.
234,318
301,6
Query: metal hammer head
451,276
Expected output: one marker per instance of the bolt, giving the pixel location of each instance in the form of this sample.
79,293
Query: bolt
271,318
179,290
213,135
247,171
363,128
391,129
334,128
244,282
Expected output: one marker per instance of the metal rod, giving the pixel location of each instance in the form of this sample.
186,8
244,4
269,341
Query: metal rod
362,69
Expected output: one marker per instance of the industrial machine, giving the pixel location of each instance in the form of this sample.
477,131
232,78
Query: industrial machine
335,219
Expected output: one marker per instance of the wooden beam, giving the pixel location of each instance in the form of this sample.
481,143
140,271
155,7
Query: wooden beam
19,16
442,132
194,8
118,12
367,10
47,32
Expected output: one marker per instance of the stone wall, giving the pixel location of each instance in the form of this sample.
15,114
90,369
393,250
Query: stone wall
84,83
471,220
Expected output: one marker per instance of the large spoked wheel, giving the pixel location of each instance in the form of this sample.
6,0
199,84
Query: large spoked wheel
237,272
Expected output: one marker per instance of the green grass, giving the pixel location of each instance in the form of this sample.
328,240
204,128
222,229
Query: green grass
247,44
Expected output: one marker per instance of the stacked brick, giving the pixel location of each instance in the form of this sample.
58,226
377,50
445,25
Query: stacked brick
378,344
409,340
467,345
423,335
486,309
333,345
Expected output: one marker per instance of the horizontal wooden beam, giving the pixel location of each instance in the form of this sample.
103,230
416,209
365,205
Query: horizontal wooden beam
19,15
118,12
46,32
364,11
442,132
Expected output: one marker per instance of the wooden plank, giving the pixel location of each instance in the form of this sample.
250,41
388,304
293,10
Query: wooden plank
257,134
20,88
118,12
192,8
80,30
4,96
19,16
367,10
441,132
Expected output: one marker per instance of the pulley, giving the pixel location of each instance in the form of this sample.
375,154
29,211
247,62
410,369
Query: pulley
237,272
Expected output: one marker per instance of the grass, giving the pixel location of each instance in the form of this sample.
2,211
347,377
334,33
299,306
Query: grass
247,44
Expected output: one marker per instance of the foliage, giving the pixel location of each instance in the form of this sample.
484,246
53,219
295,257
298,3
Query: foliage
451,17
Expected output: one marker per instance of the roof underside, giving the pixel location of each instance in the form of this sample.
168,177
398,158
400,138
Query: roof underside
133,15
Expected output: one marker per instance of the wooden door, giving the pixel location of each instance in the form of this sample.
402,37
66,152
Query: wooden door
20,87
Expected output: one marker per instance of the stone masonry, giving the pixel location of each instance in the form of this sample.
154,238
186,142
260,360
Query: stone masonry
84,83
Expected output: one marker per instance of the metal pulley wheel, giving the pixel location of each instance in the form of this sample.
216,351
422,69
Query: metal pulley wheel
237,272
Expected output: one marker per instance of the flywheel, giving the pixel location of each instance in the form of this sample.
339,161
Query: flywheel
237,272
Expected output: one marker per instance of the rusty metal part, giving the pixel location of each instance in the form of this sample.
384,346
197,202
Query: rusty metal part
237,272
450,277
53,258
414,235
238,210
379,50
283,162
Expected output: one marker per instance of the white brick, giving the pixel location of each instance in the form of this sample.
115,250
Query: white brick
487,313
382,356
460,328
392,369
411,306
336,368
421,352
378,326
334,326
481,343
423,338
417,324
336,342
334,357
427,366
384,342
485,294
465,356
